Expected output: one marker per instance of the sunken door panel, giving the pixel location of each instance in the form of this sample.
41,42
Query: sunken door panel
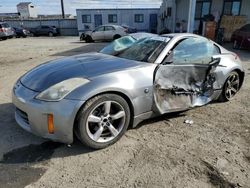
179,87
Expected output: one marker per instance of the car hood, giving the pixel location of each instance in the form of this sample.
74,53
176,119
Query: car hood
85,65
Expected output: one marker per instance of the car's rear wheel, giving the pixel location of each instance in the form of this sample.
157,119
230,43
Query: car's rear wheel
103,121
236,45
51,34
116,37
231,87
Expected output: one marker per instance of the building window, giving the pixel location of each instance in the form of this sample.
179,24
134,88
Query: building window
86,18
139,18
232,7
203,8
112,18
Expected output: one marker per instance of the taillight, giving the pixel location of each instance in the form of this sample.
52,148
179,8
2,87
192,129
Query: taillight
1,30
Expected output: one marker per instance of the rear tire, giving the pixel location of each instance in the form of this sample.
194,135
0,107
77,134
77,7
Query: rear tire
231,87
116,37
51,34
102,121
236,45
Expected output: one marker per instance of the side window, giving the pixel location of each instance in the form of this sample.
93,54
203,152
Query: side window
112,18
99,28
245,28
139,18
86,18
193,51
216,50
109,28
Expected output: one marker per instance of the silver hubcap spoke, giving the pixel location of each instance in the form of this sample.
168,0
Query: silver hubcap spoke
118,115
232,86
113,130
106,121
98,133
94,119
107,107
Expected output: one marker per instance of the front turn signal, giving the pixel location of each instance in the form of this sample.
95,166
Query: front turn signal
51,128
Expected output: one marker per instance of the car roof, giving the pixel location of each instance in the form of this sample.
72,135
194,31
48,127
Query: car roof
111,25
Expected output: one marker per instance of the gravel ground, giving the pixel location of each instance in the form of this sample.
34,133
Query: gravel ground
162,152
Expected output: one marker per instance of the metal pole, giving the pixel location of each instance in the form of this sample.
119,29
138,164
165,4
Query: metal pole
191,15
173,15
62,6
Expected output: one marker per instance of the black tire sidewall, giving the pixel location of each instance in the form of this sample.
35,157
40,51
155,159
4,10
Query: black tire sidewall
86,110
116,37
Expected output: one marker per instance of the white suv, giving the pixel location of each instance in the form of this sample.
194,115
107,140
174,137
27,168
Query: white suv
104,32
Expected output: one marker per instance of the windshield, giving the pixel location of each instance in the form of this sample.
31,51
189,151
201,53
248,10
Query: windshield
145,50
118,45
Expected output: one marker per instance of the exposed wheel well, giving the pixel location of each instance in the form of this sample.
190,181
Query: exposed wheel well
108,92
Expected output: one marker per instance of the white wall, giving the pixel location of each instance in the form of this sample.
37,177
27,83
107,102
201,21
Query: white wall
182,8
32,11
124,16
245,9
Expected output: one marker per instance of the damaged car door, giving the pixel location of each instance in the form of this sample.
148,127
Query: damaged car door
186,76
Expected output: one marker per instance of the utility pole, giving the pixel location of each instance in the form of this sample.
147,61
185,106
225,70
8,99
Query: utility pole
62,6
191,16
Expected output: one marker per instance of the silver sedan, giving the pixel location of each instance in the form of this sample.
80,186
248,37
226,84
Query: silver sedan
98,96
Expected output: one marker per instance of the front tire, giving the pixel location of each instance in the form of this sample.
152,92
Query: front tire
231,87
89,39
103,120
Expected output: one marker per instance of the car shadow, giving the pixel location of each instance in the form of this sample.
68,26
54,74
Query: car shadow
29,148
88,47
164,117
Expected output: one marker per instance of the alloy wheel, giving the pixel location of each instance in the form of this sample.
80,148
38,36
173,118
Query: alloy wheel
105,121
232,86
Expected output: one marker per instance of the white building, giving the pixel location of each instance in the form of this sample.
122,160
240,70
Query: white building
143,19
27,10
190,12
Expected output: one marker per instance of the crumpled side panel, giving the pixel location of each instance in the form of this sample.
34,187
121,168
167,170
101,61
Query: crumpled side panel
182,87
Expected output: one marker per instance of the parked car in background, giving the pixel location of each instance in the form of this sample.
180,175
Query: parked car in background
103,32
6,31
241,37
44,30
21,32
98,95
129,29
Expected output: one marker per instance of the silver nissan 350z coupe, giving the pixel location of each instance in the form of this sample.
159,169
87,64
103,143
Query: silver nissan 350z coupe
98,95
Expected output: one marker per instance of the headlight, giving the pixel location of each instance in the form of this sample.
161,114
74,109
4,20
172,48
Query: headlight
58,91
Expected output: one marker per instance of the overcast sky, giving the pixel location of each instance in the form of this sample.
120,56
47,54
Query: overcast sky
53,6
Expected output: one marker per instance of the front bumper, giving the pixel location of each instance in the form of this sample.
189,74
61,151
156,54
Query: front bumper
32,114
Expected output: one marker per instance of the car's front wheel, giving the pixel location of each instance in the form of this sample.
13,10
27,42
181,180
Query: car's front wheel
89,39
103,120
231,87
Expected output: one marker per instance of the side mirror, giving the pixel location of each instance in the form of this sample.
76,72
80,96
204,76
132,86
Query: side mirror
215,61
